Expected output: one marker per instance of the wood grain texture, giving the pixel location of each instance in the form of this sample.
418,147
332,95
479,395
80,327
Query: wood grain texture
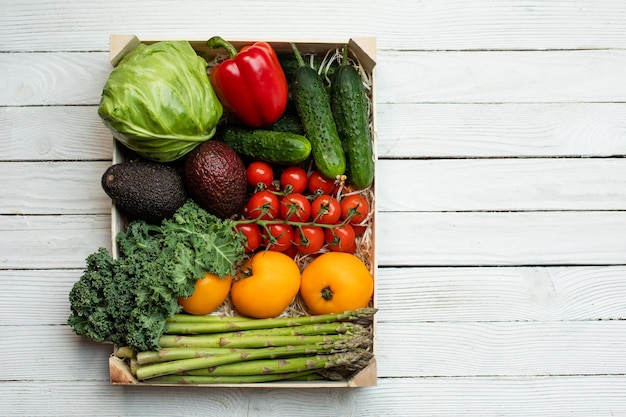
558,396
52,133
43,79
53,188
446,294
501,294
501,76
404,130
441,130
48,290
498,238
402,77
51,242
425,25
502,184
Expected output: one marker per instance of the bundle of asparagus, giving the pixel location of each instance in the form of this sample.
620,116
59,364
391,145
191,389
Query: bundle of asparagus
217,349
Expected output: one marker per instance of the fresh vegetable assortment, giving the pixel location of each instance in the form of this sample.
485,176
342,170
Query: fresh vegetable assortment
264,272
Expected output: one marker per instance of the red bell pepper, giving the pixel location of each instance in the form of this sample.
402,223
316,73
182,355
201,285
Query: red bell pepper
251,83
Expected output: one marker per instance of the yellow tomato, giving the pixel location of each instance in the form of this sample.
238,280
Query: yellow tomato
211,291
266,284
335,282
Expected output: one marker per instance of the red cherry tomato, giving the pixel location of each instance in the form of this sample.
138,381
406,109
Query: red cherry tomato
291,251
259,172
252,233
295,207
294,180
340,238
319,184
354,206
280,239
325,209
309,239
263,205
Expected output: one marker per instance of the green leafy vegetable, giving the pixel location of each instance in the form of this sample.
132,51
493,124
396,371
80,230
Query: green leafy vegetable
159,101
127,300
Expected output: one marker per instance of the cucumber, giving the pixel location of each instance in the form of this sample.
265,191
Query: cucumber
313,106
288,123
351,112
283,148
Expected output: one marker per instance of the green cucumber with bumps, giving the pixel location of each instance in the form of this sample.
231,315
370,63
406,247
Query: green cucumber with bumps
283,148
351,112
313,106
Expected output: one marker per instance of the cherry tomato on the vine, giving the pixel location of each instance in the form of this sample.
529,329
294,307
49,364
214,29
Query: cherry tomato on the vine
280,239
295,207
340,238
294,180
291,251
318,183
259,172
252,233
325,209
263,205
309,239
354,206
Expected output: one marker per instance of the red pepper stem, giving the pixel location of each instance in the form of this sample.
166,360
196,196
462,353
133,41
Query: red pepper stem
297,54
218,42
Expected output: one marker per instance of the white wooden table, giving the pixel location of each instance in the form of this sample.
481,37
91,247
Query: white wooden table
501,194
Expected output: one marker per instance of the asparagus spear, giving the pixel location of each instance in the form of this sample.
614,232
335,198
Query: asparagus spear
237,379
210,325
186,365
358,358
303,330
174,354
246,342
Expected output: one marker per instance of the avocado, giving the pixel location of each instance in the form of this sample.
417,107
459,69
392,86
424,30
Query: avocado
215,177
145,190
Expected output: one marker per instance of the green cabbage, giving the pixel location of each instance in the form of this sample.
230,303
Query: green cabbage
159,101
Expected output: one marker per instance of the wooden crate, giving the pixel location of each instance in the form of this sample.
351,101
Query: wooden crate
364,50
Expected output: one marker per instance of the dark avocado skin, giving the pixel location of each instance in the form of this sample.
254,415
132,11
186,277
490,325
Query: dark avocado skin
215,177
145,190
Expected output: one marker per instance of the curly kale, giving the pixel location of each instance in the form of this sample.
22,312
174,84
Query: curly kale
127,300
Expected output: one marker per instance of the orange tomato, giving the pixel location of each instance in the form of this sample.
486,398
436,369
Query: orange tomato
266,284
335,282
211,291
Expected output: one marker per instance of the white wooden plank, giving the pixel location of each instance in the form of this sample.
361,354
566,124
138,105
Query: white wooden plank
498,238
32,242
402,77
569,396
404,130
402,350
436,185
53,133
502,184
505,129
52,353
93,22
47,291
53,188
404,238
403,294
53,79
432,24
501,77
514,349
500,294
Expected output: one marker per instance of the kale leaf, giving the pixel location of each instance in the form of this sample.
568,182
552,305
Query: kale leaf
127,300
